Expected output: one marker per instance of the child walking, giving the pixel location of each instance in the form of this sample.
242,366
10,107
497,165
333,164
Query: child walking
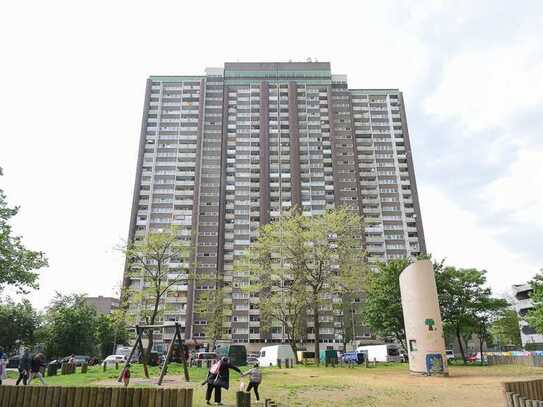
255,378
36,365
126,375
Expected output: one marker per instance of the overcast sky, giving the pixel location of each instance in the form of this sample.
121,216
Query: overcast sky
72,79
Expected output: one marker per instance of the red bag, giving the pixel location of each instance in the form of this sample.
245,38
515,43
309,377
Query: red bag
215,368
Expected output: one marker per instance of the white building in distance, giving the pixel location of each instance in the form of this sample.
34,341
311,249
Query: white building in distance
523,304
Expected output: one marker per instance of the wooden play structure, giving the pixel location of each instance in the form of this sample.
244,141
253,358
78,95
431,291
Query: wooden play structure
140,329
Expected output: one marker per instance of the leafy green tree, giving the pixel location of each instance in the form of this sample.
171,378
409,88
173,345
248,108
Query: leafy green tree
535,314
111,330
506,329
18,265
70,326
18,321
486,311
466,304
350,308
382,309
149,261
210,305
273,275
333,260
314,258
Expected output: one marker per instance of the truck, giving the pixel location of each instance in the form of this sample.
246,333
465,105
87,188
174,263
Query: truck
381,353
269,354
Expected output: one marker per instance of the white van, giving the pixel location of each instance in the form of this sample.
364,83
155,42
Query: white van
381,353
269,354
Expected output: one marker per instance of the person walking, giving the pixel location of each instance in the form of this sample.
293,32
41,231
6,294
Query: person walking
255,378
25,363
3,364
38,361
219,378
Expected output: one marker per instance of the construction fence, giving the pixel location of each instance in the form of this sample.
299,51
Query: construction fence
525,360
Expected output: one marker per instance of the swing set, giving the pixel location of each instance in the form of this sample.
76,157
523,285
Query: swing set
140,329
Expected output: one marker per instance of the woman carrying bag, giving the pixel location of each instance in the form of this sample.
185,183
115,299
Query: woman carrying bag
217,378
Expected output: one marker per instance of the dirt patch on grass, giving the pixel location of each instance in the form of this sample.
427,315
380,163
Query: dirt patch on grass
169,381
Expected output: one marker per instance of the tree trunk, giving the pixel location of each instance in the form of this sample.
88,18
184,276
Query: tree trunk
147,353
291,339
481,350
294,347
481,340
459,339
316,329
401,339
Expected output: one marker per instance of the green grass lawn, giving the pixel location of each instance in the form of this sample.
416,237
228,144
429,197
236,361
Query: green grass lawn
96,374
381,386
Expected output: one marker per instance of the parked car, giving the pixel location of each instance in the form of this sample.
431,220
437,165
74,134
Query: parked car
112,359
449,354
80,359
56,363
154,359
353,357
404,356
13,362
251,360
206,356
475,357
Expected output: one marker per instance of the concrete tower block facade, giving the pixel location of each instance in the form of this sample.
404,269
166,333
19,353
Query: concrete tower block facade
423,325
223,153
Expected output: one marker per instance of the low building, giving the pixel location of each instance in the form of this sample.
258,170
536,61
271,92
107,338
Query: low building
103,305
531,340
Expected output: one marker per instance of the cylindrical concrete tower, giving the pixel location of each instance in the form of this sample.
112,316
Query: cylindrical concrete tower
423,326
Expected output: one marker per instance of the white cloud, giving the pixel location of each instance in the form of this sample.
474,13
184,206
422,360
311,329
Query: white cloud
456,234
520,192
487,88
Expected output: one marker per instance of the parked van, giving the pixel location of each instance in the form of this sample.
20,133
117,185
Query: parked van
381,353
270,354
354,357
236,353
305,357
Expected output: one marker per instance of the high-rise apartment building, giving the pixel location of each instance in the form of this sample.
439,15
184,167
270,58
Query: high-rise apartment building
223,153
